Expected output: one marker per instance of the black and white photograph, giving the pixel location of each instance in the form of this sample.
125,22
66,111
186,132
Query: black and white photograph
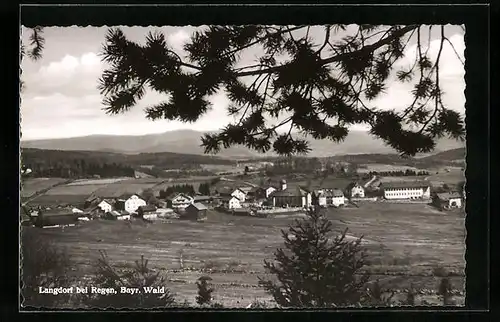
242,166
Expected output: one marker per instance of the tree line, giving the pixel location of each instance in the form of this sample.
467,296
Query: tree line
79,168
399,173
311,269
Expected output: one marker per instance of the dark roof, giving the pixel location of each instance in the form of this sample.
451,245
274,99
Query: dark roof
331,193
255,189
110,201
125,196
354,184
290,192
147,208
58,212
202,198
176,194
337,193
226,198
406,184
445,196
198,206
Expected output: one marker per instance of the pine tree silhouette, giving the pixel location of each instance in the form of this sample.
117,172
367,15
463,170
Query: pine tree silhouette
319,82
314,271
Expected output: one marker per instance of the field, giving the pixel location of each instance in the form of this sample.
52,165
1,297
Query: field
33,185
77,191
83,182
365,168
454,176
222,168
406,244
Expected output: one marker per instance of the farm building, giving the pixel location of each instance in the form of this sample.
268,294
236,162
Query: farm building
291,196
129,202
147,212
356,190
230,202
245,189
330,197
240,194
91,201
407,190
256,193
161,204
179,201
55,217
448,200
196,211
106,205
203,199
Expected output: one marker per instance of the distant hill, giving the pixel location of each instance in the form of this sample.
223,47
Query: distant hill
189,142
164,159
453,155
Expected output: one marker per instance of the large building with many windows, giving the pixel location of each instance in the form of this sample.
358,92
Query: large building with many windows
407,190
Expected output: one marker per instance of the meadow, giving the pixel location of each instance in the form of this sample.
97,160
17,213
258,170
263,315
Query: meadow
405,244
31,186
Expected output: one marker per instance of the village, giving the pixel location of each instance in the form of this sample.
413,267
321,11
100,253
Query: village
243,198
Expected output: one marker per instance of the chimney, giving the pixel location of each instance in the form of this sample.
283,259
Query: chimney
283,184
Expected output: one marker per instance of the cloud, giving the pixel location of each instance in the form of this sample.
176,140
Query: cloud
451,72
73,76
178,39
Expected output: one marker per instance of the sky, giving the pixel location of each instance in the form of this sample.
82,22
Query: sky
61,98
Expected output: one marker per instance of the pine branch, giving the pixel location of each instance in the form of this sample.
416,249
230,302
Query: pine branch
340,57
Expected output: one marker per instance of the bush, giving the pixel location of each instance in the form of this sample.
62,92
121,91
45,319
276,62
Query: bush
314,271
376,296
444,290
42,265
139,276
204,291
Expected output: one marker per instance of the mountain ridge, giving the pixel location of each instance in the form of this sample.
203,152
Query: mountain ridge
189,142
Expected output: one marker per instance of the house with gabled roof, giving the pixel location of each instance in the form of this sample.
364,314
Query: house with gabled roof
355,190
196,211
294,196
106,205
330,197
230,202
179,200
448,200
129,202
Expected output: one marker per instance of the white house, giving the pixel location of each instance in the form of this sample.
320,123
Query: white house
407,190
269,191
338,198
231,202
179,201
240,194
130,203
106,205
356,190
330,197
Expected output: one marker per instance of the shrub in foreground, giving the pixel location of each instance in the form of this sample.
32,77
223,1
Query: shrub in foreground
151,285
315,271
